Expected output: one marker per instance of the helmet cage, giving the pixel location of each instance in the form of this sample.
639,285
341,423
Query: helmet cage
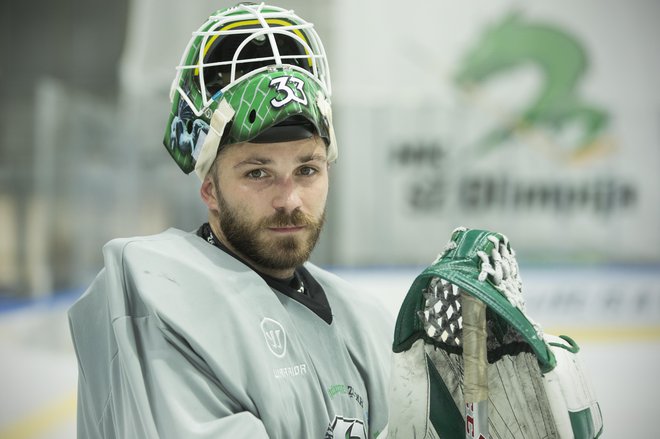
276,24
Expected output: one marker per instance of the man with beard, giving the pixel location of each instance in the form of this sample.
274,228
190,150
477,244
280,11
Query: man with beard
229,331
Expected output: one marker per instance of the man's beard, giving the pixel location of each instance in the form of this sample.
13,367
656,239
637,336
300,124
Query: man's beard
274,253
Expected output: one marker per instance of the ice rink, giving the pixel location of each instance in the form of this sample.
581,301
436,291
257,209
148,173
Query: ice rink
612,313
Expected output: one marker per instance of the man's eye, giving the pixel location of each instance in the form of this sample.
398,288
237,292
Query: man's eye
307,171
256,174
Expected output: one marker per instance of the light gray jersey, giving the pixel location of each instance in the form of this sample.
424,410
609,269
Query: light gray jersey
176,339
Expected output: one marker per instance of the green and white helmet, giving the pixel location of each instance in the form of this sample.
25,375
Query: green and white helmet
252,72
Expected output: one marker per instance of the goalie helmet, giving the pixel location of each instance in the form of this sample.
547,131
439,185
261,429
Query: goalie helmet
249,73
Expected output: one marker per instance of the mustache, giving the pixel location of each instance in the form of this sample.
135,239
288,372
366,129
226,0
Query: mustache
297,218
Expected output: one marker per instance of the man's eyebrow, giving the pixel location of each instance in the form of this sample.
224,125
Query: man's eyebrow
260,161
253,161
312,157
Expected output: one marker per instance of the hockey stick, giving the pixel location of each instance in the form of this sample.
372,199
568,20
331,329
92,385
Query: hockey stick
475,367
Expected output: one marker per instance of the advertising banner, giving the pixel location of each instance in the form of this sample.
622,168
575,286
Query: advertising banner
538,120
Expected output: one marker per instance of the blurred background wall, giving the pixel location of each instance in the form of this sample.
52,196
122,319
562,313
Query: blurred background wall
537,119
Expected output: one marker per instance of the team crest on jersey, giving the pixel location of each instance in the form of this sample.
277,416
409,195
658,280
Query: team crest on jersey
275,336
346,428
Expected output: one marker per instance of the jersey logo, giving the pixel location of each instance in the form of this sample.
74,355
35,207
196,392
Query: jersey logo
349,391
345,428
291,88
275,336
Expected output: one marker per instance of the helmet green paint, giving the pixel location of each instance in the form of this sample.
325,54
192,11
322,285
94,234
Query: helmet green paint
261,66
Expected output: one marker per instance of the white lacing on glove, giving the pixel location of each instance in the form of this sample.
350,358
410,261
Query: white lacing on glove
501,268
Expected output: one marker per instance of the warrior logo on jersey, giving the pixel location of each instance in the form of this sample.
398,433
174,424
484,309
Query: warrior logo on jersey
275,336
345,428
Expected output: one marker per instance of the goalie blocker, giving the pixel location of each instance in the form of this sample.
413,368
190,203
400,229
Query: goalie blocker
535,384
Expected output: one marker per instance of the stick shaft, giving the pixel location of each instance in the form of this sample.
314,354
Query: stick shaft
475,367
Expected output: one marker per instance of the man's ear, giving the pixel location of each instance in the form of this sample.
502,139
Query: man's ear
208,193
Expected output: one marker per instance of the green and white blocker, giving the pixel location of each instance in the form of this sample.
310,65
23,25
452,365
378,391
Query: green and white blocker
528,385
177,339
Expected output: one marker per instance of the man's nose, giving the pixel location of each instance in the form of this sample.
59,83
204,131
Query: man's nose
287,196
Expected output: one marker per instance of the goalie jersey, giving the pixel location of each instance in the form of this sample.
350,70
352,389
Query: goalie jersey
177,339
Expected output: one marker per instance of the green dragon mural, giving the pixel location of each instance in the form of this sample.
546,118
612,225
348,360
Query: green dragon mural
562,61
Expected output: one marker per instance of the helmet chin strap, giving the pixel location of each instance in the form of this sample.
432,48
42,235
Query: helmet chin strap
221,117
